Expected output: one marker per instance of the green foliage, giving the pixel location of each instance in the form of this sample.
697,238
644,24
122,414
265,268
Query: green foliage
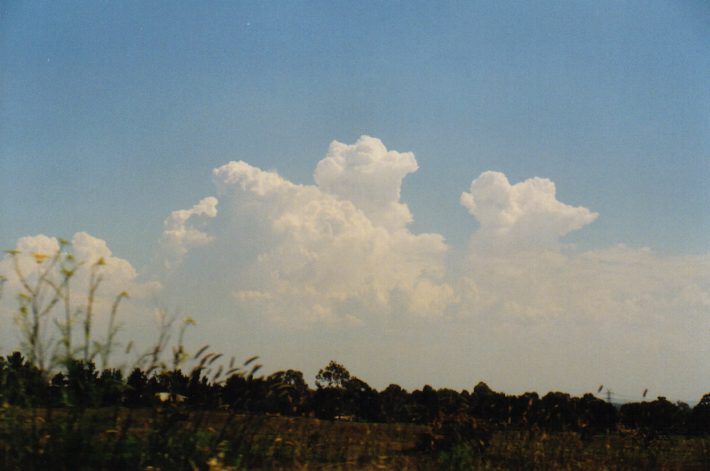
462,456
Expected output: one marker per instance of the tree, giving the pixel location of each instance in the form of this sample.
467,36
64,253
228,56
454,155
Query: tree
81,384
332,376
396,404
246,393
329,398
451,402
524,409
200,391
136,388
699,420
110,387
22,383
595,415
557,411
289,392
428,404
488,404
362,401
652,418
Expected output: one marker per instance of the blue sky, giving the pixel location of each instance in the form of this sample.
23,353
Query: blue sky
126,103
114,114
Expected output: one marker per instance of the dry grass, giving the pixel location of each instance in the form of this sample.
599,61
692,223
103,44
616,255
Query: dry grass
274,442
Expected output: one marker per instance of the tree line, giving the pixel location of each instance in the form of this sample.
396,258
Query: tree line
338,395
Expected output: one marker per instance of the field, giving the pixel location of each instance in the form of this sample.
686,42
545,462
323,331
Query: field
276,442
305,443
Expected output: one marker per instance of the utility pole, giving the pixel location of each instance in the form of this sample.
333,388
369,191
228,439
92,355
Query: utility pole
608,393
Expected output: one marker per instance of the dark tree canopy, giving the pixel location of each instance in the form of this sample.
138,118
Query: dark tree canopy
332,376
339,395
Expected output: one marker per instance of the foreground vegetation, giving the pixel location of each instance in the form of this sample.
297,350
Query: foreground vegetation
85,419
171,410
175,439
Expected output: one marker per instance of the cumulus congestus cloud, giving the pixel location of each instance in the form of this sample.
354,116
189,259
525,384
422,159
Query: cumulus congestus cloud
336,251
179,235
520,216
370,176
340,250
517,267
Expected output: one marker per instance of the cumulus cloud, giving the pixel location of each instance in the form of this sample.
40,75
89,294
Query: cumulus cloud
34,254
554,312
523,215
369,176
340,250
517,269
340,253
337,251
179,235
118,274
321,255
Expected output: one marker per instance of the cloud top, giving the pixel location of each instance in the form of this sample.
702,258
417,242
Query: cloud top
523,215
179,235
321,256
369,176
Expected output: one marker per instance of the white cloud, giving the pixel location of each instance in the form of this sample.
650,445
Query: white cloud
620,284
307,253
516,267
337,251
321,257
624,316
34,254
524,215
117,273
559,317
340,253
179,235
369,176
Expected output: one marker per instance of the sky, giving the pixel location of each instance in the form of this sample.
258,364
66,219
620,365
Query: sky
430,193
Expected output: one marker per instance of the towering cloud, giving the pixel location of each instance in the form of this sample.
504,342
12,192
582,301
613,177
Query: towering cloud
338,250
179,235
516,267
369,176
524,215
